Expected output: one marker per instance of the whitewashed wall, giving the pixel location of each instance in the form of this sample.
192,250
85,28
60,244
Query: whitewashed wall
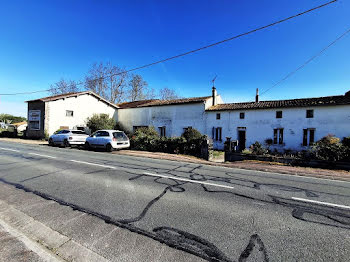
174,117
260,124
83,106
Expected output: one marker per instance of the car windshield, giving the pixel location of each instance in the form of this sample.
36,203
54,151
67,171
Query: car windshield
120,136
78,132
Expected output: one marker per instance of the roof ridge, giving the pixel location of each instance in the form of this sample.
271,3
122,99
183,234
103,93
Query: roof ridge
293,99
298,102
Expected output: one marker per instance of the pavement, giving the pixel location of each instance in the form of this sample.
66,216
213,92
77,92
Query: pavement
169,210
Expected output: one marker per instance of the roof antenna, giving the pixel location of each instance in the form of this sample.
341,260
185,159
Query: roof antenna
214,80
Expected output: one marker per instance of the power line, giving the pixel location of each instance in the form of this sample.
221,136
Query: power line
25,93
307,61
198,49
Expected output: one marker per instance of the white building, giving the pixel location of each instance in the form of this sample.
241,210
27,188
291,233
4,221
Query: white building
169,117
290,124
65,111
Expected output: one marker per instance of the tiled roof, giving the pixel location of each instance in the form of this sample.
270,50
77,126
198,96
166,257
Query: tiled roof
20,123
157,102
73,94
303,102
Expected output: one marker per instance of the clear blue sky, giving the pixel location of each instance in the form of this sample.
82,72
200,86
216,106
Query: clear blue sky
43,41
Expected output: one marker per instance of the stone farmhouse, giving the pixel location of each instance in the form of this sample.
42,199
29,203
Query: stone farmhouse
290,124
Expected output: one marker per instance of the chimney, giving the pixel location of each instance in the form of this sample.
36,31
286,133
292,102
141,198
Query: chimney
257,95
214,94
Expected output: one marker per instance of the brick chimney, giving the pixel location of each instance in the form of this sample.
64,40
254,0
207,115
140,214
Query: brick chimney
257,95
214,94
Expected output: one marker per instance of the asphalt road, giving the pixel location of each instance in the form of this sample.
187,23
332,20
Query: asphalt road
220,214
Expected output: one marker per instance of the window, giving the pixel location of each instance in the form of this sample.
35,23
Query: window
34,125
241,115
278,136
78,132
161,131
308,136
310,113
64,132
69,113
278,114
218,116
102,134
120,136
217,133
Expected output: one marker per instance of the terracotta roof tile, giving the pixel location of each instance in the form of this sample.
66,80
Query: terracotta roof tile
157,102
304,102
66,95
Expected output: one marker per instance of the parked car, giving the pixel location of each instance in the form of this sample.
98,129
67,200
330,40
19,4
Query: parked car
67,138
107,139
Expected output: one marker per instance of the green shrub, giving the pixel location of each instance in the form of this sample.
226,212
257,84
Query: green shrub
7,118
58,130
119,126
268,143
100,121
328,148
247,151
258,149
46,135
145,138
346,142
148,139
192,134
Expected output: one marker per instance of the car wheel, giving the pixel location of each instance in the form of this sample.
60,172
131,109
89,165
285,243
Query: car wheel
51,142
109,148
65,143
87,146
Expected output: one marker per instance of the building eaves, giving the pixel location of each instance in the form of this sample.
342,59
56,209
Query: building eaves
72,94
304,102
157,102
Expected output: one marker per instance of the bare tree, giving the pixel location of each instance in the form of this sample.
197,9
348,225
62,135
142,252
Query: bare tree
151,93
63,86
108,81
168,94
138,88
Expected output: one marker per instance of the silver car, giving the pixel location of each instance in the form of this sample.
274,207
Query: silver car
107,139
67,138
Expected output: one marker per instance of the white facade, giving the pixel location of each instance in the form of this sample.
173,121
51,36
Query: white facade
294,130
173,117
259,124
72,112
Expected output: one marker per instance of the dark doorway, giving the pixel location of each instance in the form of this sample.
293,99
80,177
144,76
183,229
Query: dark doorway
241,140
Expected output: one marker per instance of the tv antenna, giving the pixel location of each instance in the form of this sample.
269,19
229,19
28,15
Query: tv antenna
214,80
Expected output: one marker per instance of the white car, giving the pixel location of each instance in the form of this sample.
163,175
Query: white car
67,138
107,139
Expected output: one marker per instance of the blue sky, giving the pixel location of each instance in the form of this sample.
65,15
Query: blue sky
43,41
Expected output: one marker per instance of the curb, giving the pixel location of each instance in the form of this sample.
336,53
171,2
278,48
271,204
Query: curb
53,245
73,235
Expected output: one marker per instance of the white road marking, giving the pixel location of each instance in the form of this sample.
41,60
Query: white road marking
321,203
42,155
93,164
188,180
9,149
